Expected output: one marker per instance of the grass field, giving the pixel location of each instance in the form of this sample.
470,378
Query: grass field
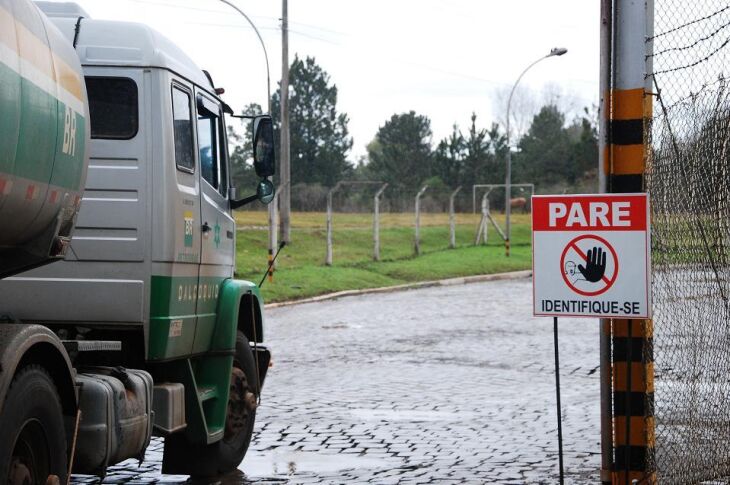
301,271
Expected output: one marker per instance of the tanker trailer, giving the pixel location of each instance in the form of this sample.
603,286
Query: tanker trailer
44,135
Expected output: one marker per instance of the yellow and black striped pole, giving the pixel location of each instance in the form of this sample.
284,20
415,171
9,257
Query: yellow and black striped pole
627,368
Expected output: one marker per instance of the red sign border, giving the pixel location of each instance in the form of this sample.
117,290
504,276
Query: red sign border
615,271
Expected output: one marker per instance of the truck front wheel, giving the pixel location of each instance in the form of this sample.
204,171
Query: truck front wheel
32,430
242,402
225,455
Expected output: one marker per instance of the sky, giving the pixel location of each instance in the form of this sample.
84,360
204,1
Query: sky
441,58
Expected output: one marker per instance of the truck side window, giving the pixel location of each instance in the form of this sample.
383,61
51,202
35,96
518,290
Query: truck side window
223,188
208,146
183,130
211,145
113,107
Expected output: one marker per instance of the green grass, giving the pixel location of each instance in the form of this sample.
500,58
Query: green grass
301,271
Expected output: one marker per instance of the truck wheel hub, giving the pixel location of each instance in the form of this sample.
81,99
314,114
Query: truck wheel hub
241,402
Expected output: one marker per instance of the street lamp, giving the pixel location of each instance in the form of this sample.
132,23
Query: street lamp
263,46
556,51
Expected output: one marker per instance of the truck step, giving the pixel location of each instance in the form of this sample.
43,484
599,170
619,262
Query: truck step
207,393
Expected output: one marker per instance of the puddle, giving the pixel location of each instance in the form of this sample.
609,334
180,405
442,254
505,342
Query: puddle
341,325
406,415
291,462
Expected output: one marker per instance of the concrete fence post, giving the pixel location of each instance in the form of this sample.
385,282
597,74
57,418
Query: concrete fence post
328,257
452,218
417,242
482,228
485,215
273,233
376,223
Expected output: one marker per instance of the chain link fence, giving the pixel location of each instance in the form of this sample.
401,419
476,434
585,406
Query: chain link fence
688,179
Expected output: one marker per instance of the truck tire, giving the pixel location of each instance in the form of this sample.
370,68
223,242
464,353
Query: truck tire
225,455
32,430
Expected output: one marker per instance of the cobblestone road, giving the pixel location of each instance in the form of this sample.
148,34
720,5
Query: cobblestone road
441,385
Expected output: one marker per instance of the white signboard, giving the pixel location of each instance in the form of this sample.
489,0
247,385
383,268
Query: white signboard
591,256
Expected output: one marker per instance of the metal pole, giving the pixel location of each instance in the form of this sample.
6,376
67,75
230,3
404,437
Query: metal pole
285,141
263,46
557,396
418,220
508,182
630,100
272,214
452,218
376,223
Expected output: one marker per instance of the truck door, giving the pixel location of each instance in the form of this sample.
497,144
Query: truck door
217,238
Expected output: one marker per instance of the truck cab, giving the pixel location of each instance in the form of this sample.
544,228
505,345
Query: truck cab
148,281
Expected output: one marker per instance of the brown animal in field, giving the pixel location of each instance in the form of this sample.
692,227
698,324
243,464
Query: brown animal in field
518,202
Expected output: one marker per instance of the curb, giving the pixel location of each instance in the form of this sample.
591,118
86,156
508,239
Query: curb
461,280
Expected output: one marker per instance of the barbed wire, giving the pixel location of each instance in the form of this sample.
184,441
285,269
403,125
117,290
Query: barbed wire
694,44
692,22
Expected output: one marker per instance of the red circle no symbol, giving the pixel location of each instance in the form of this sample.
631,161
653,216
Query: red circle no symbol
605,282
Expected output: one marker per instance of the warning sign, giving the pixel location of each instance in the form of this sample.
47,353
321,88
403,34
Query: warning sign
590,255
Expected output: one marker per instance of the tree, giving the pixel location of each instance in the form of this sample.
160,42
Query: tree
477,157
496,168
401,152
449,158
320,139
584,136
551,153
545,150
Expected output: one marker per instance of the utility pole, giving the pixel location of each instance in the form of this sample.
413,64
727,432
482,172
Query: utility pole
285,179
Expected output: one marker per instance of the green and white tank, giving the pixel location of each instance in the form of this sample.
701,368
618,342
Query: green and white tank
44,138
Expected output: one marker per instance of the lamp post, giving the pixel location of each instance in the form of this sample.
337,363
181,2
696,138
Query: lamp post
556,51
263,46
272,206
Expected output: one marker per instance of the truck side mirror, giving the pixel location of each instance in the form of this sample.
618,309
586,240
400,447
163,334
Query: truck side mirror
264,193
263,143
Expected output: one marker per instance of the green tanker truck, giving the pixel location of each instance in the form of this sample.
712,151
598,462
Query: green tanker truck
119,314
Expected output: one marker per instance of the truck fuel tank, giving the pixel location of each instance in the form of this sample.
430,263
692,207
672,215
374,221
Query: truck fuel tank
116,417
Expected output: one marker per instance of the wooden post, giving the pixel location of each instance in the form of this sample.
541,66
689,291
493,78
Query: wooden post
452,218
604,326
284,156
376,223
417,244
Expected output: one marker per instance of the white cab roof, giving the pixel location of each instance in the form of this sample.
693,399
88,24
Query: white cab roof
112,43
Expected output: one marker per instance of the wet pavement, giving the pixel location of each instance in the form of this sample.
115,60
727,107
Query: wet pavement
439,385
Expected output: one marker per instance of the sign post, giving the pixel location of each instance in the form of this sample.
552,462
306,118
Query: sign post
590,258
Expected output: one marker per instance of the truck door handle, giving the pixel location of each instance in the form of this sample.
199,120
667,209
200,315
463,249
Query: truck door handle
205,227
